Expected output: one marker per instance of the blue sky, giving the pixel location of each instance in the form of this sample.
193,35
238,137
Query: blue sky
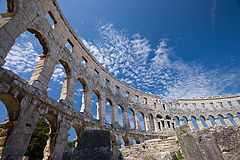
177,49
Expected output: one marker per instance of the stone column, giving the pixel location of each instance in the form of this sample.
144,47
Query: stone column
43,72
126,123
67,94
208,122
20,135
102,105
227,121
191,125
136,121
156,125
146,123
200,125
237,120
218,122
114,115
87,103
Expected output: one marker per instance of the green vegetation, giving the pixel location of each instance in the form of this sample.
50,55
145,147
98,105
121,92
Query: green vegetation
179,155
38,141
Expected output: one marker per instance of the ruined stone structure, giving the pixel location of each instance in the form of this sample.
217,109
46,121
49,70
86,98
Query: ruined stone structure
27,101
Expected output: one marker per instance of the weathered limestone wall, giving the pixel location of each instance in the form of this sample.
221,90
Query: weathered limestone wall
218,143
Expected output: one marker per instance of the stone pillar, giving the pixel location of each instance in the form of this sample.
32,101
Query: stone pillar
218,122
20,135
191,125
237,120
57,141
163,127
126,123
102,105
67,93
156,125
227,121
208,122
200,125
136,121
87,103
43,72
114,115
146,123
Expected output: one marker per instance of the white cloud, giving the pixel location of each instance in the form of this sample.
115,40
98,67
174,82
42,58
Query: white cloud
128,58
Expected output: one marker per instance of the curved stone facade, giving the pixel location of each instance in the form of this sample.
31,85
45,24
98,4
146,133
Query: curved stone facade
26,101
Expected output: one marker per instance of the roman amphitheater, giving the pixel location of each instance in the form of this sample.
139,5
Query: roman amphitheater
27,101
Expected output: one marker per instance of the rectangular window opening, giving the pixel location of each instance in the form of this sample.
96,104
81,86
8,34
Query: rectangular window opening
49,16
136,98
69,45
127,94
203,105
229,103
117,89
107,82
194,105
220,104
145,100
96,74
83,61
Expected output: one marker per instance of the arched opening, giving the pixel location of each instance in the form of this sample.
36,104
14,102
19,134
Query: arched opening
6,6
230,117
9,112
220,117
160,122
194,122
26,53
168,118
74,134
212,120
151,122
185,120
120,115
141,121
43,138
108,110
131,118
134,141
176,120
238,115
79,94
203,121
122,143
57,86
95,104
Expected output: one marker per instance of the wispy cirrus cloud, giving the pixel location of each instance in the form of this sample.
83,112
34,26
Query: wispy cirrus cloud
213,12
128,58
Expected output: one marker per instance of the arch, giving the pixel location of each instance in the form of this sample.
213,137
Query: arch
59,83
194,122
74,134
230,117
121,142
176,120
220,117
203,121
185,120
212,120
151,121
108,110
238,115
131,118
126,140
134,141
26,54
10,6
142,121
159,116
168,117
120,115
47,126
79,94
